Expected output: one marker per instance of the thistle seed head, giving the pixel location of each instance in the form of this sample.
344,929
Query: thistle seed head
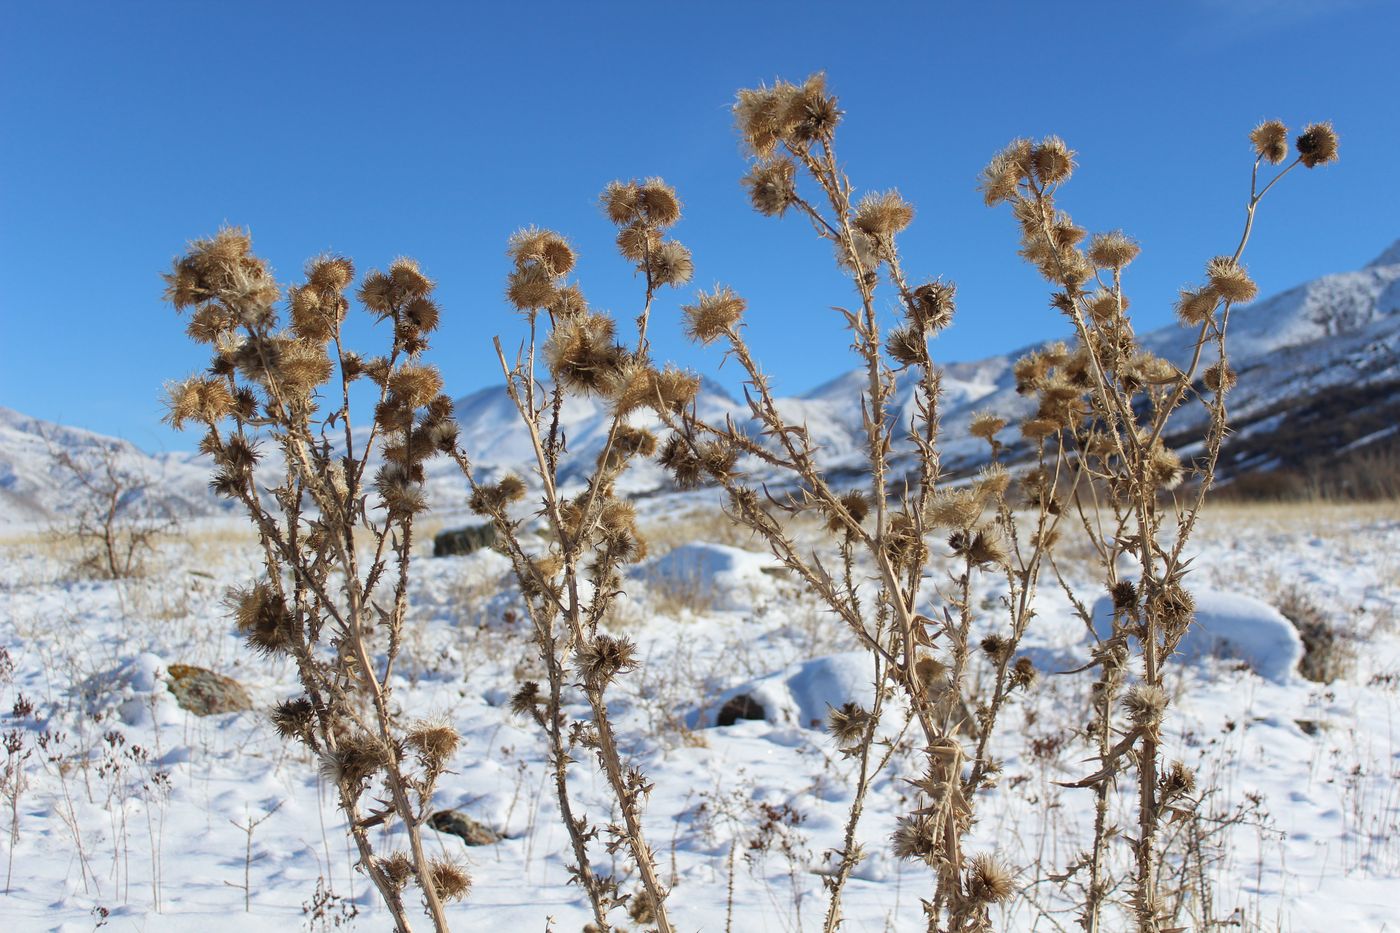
1270,140
916,837
397,867
622,201
1112,250
908,345
1196,306
658,203
848,724
294,719
603,658
1230,281
262,616
531,287
955,508
987,880
772,186
435,742
932,306
1052,160
449,878
492,499
1146,704
544,248
1317,145
713,315
883,214
636,241
582,354
670,264
986,425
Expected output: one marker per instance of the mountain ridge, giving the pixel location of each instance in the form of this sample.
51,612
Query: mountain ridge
1337,333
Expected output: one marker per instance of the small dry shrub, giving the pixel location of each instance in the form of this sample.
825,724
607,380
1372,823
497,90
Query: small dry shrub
1328,654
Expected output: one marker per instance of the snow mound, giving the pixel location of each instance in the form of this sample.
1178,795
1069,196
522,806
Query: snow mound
799,694
1233,626
727,576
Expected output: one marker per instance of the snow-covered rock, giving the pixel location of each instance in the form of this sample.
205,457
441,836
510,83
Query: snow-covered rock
728,577
1231,626
800,695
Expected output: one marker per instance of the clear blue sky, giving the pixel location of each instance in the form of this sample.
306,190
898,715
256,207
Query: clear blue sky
435,129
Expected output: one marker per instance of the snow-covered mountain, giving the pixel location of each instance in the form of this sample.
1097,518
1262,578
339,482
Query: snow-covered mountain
1319,372
36,485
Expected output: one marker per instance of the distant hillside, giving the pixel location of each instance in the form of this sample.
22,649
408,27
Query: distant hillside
1319,378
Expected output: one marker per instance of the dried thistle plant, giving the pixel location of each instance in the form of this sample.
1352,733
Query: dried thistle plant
571,583
1097,430
1104,405
284,382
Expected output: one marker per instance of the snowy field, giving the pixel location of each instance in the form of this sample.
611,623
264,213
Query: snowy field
133,814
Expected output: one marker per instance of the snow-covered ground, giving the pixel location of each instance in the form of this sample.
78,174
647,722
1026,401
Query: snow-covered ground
135,814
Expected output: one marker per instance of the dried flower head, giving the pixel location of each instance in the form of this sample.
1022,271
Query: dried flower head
408,280
261,615
1178,781
1112,250
636,241
658,203
932,304
203,400
670,264
450,878
492,498
1023,673
435,741
1196,306
357,757
847,725
526,699
955,508
622,201
1230,281
685,467
883,214
603,658
1220,377
1002,177
1270,140
531,287
772,186
713,315
294,718
397,867
545,248
1052,160
908,345
582,353
568,302
986,425
400,491
1125,596
1145,704
987,881
916,837
1317,145
674,389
